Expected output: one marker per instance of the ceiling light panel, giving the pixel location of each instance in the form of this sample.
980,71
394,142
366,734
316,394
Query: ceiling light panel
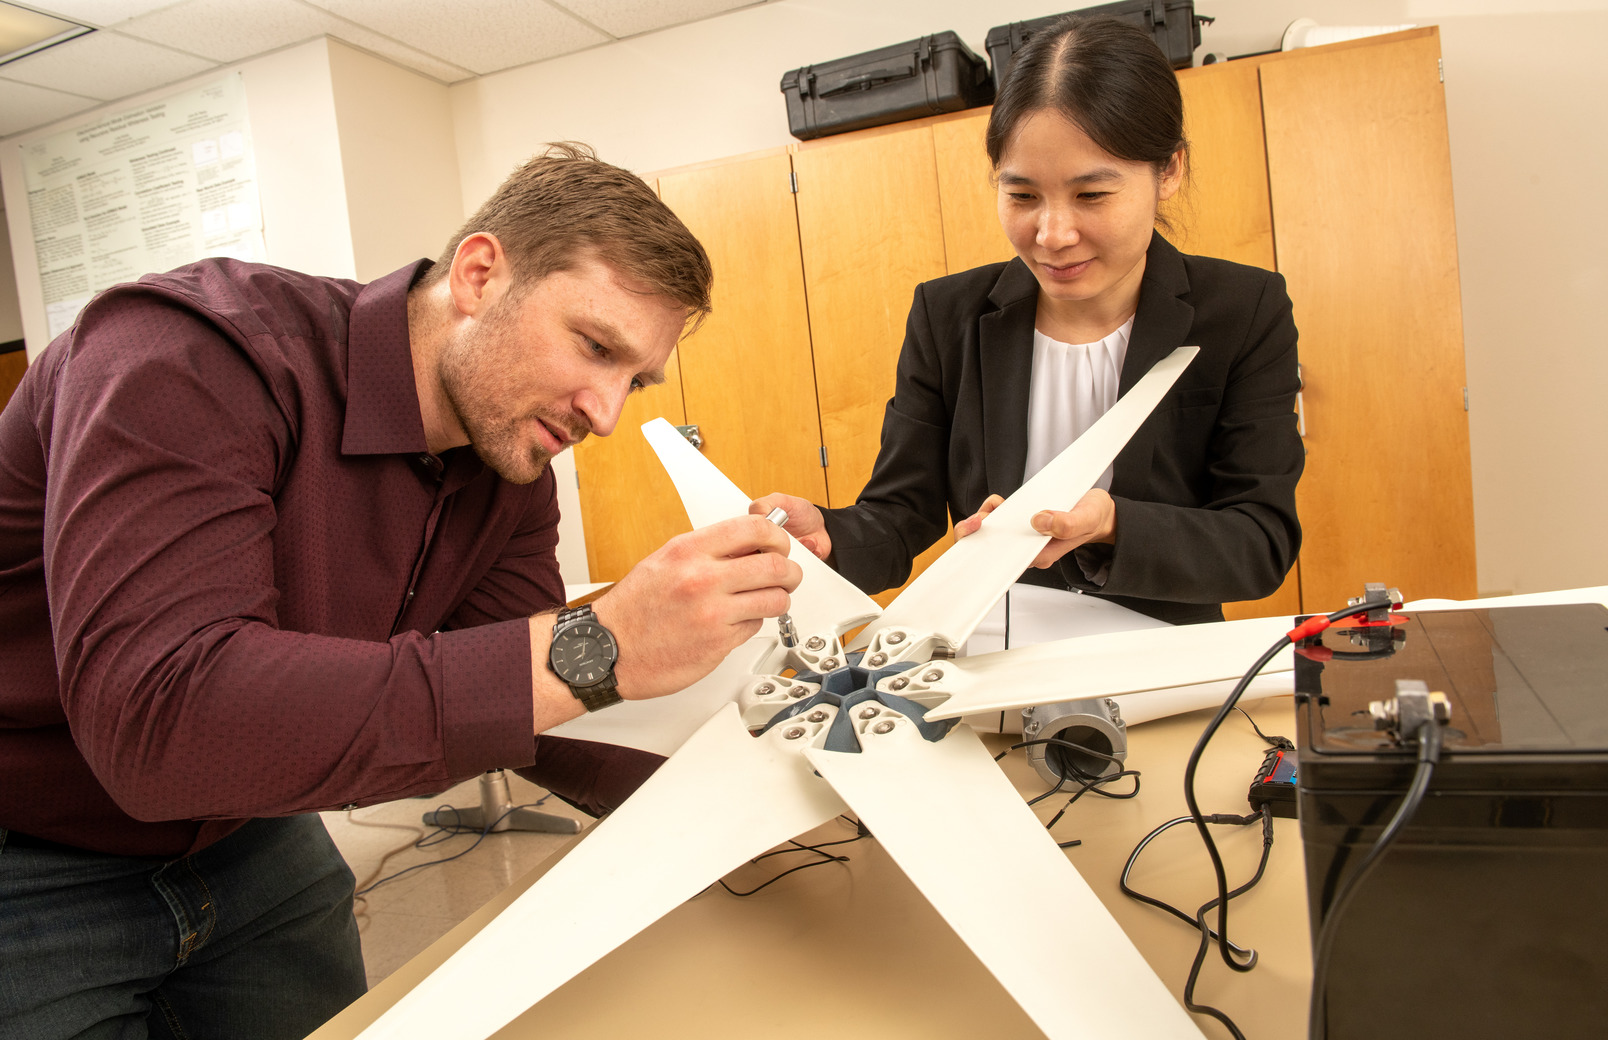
630,17
104,66
483,37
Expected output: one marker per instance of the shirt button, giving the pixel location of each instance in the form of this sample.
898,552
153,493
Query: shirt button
410,594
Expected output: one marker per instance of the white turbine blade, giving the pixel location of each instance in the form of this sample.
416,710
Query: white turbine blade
1594,594
706,493
641,862
951,596
824,600
663,724
1155,659
953,823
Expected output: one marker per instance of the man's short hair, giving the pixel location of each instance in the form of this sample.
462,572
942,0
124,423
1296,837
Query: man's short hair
565,205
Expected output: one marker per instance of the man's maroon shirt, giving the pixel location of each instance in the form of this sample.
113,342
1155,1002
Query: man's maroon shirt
224,549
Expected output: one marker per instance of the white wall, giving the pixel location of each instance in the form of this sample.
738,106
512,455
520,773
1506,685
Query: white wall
398,161
10,309
1524,79
290,105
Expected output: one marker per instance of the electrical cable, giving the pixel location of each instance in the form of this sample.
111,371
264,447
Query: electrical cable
1429,738
1310,627
442,832
1086,781
826,857
1133,859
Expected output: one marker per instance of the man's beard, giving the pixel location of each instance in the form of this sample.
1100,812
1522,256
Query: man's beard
471,381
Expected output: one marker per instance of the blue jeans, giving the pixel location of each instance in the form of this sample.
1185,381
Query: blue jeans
251,938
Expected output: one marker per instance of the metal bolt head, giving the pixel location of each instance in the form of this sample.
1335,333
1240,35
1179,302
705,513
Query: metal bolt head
828,663
870,711
932,675
797,691
815,643
877,660
885,726
899,683
817,716
765,689
894,638
794,732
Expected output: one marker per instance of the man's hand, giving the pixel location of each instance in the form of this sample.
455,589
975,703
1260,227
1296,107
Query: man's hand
1093,519
804,521
679,612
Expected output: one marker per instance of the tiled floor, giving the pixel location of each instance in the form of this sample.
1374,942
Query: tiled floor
400,917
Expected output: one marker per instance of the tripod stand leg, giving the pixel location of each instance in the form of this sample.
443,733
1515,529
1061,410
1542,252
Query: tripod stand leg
496,810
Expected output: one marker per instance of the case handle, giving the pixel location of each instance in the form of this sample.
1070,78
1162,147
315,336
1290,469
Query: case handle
867,80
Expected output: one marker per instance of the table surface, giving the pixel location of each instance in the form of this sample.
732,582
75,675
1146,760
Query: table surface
854,950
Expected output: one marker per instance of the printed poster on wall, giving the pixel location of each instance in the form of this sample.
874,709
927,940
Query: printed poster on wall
148,189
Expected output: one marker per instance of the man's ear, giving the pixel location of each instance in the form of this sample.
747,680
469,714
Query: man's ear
479,275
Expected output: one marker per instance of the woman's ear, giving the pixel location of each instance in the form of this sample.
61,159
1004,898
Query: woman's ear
1172,177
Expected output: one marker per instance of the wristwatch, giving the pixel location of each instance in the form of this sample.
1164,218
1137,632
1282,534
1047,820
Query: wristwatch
583,654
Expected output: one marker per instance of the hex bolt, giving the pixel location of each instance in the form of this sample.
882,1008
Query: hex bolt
899,683
885,726
815,643
828,663
933,675
817,716
765,689
894,638
869,712
794,732
797,691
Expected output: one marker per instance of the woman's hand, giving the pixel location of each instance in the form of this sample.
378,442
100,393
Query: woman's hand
1093,519
804,521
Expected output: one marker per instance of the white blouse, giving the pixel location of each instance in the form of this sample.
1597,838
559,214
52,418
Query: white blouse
1073,385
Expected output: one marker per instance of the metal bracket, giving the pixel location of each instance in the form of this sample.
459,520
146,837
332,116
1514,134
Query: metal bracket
694,438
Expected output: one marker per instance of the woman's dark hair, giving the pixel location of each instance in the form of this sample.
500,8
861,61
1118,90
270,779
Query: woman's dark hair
1107,77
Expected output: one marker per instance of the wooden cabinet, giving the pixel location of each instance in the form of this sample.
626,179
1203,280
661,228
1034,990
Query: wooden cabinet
1329,165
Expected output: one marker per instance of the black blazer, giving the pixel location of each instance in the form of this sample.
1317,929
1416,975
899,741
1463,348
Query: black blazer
1205,490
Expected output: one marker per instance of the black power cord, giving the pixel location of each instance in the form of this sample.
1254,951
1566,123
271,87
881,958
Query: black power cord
1087,782
1310,627
1429,738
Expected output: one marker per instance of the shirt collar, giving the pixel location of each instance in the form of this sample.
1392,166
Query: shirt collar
382,399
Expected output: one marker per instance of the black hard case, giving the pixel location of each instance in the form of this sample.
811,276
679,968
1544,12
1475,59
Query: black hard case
924,77
1172,22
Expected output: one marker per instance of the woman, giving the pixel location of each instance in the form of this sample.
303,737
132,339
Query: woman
1004,365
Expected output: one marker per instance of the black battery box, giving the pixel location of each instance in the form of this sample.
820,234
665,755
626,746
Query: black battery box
1173,24
923,77
1485,918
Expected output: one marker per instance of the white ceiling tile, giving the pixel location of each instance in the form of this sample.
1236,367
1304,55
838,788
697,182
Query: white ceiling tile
228,30
24,106
486,36
98,12
104,65
401,53
630,17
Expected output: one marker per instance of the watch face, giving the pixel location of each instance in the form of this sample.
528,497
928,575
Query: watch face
585,654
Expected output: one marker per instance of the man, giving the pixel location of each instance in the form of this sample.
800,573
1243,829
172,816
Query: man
271,543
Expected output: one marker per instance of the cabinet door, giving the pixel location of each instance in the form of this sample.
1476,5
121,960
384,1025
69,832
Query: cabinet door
1360,171
870,230
1224,211
747,376
628,506
972,235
